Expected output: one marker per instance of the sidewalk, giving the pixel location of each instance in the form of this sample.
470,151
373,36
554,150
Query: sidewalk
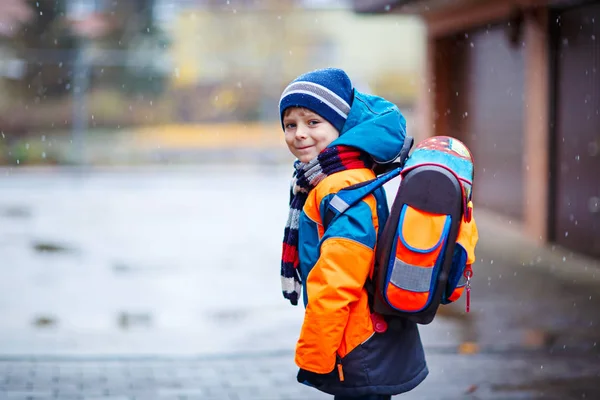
533,333
506,376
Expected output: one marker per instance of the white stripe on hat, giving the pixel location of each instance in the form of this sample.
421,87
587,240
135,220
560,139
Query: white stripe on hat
319,91
303,84
333,107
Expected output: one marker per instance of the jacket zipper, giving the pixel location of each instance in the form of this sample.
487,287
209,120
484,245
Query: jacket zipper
338,361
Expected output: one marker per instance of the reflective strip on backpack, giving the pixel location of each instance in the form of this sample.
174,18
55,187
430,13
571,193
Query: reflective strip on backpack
411,277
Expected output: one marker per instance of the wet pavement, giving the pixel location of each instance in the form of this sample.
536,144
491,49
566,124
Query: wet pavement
163,283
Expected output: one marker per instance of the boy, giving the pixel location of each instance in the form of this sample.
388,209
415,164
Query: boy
337,134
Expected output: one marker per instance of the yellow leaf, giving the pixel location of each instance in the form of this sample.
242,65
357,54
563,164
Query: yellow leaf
468,348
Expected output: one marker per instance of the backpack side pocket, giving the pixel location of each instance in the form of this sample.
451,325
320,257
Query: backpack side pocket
456,278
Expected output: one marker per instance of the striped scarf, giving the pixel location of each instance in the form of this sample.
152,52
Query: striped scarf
306,177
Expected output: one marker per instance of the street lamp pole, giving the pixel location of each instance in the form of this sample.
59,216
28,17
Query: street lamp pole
80,86
80,12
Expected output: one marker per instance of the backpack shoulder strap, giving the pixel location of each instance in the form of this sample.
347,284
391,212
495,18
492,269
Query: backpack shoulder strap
347,197
351,195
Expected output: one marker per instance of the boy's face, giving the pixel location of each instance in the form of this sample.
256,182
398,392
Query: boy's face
307,133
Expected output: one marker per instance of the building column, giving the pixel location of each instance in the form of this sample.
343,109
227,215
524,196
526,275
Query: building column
433,92
536,141
427,94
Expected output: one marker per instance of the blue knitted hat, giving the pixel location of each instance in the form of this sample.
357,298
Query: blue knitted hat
327,92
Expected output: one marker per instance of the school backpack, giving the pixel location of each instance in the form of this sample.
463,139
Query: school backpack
420,261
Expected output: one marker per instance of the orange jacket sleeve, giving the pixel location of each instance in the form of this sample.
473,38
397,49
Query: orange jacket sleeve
335,282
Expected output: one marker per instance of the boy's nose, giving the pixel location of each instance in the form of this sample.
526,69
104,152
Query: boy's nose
301,133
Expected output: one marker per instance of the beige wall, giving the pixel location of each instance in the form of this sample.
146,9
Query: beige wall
537,122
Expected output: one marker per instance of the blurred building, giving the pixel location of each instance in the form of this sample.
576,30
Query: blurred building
236,52
167,73
194,60
519,82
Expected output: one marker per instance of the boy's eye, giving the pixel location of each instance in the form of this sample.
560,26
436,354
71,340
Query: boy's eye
290,126
313,122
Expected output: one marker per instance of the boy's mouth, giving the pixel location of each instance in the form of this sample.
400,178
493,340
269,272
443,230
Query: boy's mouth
303,147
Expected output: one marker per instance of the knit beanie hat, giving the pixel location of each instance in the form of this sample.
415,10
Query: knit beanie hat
327,92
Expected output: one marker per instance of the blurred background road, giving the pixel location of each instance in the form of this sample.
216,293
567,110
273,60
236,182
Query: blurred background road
167,275
144,185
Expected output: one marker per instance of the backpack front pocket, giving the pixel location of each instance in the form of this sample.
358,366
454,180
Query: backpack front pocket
412,275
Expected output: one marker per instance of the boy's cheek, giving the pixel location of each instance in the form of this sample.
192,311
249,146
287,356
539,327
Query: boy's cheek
289,138
292,149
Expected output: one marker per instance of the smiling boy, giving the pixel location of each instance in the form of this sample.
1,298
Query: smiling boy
337,135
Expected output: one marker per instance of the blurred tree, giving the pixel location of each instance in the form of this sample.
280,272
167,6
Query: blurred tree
43,42
48,37
40,41
140,43
13,13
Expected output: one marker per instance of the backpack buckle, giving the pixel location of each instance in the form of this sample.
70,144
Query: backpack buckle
469,211
380,325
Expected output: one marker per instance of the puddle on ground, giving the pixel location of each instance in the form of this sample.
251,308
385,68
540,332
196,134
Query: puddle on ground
124,268
586,387
128,320
50,248
538,339
229,316
15,212
467,329
45,321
